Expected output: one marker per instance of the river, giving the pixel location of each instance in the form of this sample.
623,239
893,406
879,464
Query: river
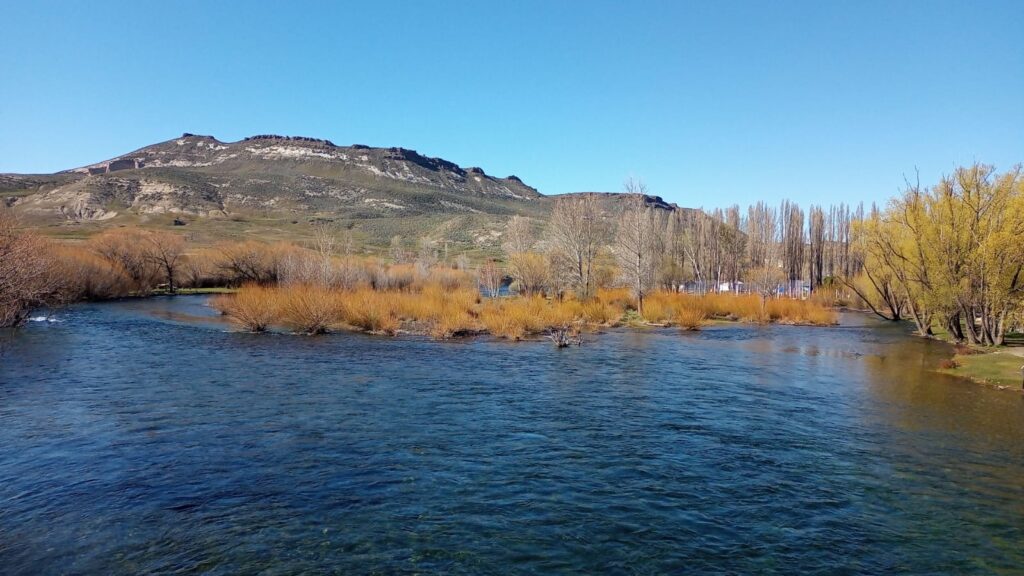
147,436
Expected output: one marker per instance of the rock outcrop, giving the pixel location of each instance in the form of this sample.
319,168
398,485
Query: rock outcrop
202,176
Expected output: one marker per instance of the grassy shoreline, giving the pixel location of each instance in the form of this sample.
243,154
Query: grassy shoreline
998,368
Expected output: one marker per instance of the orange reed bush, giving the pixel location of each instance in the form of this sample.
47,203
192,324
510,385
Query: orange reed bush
309,309
442,313
690,316
370,310
661,307
827,296
674,308
820,316
684,310
784,311
560,313
447,310
758,314
200,269
618,297
732,306
253,306
433,299
750,308
29,277
594,311
799,312
452,322
515,318
503,319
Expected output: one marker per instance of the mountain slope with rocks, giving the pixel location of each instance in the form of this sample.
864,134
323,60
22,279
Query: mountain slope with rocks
202,176
274,186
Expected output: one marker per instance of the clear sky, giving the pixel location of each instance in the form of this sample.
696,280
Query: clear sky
710,103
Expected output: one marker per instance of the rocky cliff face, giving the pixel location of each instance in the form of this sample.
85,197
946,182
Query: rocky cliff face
202,176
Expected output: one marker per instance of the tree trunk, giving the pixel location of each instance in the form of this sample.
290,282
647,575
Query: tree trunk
922,322
953,326
969,329
1000,334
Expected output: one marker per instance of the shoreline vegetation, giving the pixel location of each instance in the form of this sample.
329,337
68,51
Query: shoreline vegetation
949,257
587,267
452,307
1001,367
946,257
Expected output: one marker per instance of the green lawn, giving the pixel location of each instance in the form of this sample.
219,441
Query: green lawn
1002,368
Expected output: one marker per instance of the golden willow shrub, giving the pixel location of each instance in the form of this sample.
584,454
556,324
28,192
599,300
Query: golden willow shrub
683,310
371,311
254,307
435,310
691,311
441,312
308,309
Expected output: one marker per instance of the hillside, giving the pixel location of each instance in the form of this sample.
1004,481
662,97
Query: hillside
273,187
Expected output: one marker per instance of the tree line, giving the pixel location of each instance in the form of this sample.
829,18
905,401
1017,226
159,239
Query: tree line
949,256
769,250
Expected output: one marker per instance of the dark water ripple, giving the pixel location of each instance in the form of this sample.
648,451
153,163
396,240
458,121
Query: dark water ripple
141,437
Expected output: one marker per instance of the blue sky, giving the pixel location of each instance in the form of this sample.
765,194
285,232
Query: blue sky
710,103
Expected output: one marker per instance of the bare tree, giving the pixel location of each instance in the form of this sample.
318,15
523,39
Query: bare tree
397,250
519,237
325,240
490,277
251,261
734,245
763,236
165,250
427,256
638,242
126,249
577,233
531,271
791,231
28,278
816,246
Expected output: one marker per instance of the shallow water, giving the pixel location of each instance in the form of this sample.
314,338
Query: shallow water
144,436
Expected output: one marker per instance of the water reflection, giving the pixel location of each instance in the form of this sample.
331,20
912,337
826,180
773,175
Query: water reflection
145,436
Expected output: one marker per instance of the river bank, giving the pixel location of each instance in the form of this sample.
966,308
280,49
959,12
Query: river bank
1002,368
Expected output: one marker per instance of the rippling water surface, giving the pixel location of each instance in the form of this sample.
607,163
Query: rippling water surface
146,437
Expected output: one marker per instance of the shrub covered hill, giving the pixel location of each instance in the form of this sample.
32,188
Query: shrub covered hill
273,187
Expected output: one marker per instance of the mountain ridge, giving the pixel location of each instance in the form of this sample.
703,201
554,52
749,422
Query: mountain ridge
280,182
